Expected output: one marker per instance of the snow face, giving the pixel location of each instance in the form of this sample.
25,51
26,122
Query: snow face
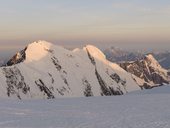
36,50
50,71
133,111
95,52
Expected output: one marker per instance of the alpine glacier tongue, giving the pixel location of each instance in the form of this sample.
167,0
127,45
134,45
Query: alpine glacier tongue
47,71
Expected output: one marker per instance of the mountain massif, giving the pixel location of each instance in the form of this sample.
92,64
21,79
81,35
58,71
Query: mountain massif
46,71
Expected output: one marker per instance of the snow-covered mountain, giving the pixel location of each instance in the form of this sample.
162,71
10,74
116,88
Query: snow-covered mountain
44,70
149,70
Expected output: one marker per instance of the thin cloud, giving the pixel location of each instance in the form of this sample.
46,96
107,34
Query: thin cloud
143,9
122,5
131,7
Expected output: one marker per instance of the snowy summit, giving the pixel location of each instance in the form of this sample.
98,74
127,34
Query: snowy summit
46,71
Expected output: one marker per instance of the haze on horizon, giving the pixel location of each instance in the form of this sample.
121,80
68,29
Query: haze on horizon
132,24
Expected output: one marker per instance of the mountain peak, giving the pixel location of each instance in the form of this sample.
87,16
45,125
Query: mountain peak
95,52
150,57
152,61
37,50
33,51
40,43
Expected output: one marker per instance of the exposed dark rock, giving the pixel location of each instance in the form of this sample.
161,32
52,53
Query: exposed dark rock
115,77
63,73
115,92
17,58
106,91
52,79
91,57
65,81
88,91
15,82
61,91
44,89
56,63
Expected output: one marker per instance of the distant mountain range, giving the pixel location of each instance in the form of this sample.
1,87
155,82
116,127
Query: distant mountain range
1,62
118,55
163,58
46,71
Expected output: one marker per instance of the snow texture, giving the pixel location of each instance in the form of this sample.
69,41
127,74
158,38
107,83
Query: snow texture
148,110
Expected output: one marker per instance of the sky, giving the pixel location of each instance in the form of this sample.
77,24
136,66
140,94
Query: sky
130,24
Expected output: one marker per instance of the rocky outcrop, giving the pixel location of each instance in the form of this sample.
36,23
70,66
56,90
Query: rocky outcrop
15,82
149,70
17,58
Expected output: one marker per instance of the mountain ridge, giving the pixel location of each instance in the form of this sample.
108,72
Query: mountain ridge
49,71
46,71
147,69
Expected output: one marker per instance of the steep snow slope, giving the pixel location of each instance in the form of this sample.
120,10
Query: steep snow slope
43,70
148,110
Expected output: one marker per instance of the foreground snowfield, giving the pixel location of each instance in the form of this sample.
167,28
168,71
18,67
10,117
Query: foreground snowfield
149,110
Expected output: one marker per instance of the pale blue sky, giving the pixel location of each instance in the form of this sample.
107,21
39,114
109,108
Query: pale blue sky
124,23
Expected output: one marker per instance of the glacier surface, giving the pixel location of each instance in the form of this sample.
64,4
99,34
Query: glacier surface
149,110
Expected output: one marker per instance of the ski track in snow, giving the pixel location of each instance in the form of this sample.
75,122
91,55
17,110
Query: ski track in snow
129,111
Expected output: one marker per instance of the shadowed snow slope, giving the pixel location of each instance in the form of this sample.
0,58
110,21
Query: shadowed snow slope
43,70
